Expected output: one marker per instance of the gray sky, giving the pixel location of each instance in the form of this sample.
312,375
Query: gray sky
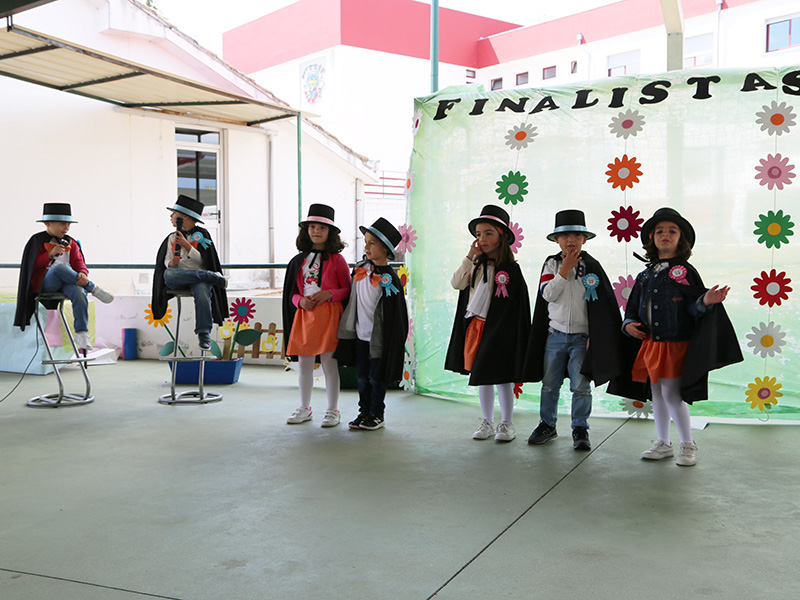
206,20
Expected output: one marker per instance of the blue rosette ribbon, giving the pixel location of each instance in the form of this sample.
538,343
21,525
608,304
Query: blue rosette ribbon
590,282
200,239
387,285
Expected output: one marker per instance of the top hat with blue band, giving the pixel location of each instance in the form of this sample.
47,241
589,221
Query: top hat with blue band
56,212
570,221
189,207
386,233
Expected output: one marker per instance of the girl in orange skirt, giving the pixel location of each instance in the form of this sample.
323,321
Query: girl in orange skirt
665,306
317,283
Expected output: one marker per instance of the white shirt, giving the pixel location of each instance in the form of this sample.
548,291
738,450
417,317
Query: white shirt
565,304
311,274
191,261
367,297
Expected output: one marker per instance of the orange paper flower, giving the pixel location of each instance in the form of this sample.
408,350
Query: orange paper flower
623,172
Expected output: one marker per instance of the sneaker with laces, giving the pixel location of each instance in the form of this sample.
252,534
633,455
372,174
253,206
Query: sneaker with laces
580,438
543,433
82,340
687,456
331,418
660,449
356,423
484,431
300,415
371,423
505,432
102,295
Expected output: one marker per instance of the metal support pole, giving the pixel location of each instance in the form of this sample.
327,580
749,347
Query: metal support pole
434,46
299,168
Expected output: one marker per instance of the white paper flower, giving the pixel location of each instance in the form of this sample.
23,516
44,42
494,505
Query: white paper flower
627,123
417,121
520,136
776,118
408,185
407,382
641,409
766,340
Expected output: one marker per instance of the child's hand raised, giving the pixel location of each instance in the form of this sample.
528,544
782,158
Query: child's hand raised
474,250
570,258
715,295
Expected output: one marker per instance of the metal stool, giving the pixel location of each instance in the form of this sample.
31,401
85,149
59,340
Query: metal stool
198,396
59,399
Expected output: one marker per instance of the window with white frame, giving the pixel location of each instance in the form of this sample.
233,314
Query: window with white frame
783,34
198,172
626,63
698,50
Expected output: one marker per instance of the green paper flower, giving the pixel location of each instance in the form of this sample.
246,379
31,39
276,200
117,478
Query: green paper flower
511,187
774,229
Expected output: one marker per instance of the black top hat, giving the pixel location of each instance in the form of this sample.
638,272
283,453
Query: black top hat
386,233
570,221
189,207
496,216
667,214
320,213
60,212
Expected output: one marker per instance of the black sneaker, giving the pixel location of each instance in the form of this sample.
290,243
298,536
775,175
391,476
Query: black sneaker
356,423
372,423
580,439
543,433
219,280
205,340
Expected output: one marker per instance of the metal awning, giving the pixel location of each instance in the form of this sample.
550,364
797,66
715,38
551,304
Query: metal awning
36,58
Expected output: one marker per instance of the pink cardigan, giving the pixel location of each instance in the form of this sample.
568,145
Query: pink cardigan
335,279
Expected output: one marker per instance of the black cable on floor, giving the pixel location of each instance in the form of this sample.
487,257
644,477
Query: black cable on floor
25,372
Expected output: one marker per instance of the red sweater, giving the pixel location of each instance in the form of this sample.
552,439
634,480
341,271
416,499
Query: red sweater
43,261
335,279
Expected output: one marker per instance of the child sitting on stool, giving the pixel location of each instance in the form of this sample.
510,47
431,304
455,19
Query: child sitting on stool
53,262
187,259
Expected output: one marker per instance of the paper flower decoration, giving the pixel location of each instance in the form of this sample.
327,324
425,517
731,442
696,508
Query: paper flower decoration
766,340
624,224
520,136
408,238
408,373
402,273
774,229
622,290
771,288
775,171
627,123
511,187
242,310
776,118
623,172
151,320
763,393
417,121
517,390
518,237
408,185
641,409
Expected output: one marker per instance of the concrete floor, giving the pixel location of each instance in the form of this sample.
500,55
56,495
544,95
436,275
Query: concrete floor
128,499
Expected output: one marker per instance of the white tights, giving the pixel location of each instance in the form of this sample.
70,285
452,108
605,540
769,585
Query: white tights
505,396
330,366
667,402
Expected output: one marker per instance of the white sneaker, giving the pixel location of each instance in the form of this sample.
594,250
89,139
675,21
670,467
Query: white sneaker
300,415
331,418
82,340
484,431
687,457
102,295
659,450
505,432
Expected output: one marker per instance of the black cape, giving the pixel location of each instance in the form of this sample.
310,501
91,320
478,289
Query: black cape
289,288
162,294
500,354
395,332
713,345
26,297
605,358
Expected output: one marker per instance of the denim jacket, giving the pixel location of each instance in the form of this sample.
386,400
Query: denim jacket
667,307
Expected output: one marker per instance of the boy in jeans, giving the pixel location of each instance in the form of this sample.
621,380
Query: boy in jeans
575,304
187,259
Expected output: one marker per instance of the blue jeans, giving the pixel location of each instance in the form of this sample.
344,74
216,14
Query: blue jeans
199,283
564,353
371,394
62,278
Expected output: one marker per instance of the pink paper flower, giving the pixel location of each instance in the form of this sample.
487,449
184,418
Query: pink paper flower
775,171
622,290
625,224
408,237
518,237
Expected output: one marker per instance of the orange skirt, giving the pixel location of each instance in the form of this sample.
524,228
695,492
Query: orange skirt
659,359
472,338
314,331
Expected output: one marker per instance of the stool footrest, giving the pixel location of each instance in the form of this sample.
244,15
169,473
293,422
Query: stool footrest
187,358
67,361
